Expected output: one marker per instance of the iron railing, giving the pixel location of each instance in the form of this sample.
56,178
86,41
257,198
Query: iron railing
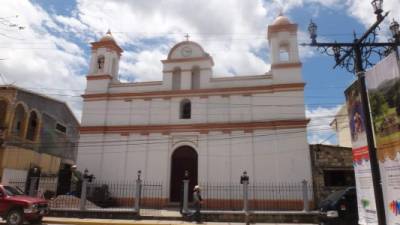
262,196
125,195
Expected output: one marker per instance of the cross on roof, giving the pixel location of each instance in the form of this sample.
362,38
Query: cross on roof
187,37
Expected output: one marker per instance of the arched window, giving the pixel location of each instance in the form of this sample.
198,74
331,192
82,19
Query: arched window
19,121
100,63
196,77
186,109
3,113
176,79
33,125
284,53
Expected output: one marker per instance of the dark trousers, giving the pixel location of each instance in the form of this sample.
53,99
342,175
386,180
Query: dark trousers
197,214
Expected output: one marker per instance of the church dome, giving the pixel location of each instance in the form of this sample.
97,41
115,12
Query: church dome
107,37
281,20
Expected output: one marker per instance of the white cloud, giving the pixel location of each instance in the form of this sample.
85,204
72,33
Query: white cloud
319,129
232,31
363,12
228,30
145,65
37,59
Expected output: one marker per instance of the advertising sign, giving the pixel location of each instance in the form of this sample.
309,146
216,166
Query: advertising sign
383,84
362,168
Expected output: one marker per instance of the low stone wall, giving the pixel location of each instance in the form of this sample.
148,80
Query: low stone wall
99,214
263,217
209,216
264,204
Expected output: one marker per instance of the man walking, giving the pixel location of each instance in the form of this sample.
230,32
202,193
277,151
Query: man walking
197,203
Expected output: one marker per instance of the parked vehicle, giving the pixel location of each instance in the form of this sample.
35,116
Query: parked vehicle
16,207
340,208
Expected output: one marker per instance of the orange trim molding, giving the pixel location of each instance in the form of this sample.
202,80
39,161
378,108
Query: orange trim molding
99,77
286,65
107,44
196,92
199,127
193,59
292,28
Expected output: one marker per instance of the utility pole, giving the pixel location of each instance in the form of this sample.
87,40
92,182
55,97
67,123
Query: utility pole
354,56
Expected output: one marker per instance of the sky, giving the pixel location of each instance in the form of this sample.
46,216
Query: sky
50,55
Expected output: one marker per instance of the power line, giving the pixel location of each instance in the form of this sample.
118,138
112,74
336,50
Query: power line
102,142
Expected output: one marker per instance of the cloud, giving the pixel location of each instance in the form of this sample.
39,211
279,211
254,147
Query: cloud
54,48
229,30
363,12
146,65
319,129
38,59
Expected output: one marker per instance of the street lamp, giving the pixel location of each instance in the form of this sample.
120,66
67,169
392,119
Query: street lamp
312,30
394,29
377,4
355,57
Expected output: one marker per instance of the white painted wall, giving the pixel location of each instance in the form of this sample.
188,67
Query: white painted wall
267,155
218,109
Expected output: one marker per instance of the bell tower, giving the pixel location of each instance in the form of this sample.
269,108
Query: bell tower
104,64
285,62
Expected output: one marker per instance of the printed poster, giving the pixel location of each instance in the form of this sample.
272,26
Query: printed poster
383,84
362,168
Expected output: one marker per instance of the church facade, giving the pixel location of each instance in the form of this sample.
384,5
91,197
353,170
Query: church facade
213,127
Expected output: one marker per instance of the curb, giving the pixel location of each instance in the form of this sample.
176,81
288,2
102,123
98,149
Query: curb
96,222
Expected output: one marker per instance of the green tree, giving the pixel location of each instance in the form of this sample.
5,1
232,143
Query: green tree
378,104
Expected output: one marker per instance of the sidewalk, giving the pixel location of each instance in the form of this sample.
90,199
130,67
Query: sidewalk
77,221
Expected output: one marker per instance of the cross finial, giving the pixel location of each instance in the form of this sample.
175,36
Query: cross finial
187,37
280,12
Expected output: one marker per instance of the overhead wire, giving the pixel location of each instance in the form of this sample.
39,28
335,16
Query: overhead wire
314,128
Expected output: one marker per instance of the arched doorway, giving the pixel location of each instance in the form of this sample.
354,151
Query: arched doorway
183,158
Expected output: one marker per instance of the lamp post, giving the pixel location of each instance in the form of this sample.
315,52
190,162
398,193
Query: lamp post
355,57
394,29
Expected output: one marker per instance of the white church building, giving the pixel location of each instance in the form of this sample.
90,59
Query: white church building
213,127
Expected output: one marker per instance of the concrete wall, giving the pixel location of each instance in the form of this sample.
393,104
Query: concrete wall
15,158
212,109
267,155
52,112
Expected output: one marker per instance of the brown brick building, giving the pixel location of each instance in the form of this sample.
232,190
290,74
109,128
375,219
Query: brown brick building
35,131
332,169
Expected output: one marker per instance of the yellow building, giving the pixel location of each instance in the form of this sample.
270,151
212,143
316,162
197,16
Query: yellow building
35,131
341,126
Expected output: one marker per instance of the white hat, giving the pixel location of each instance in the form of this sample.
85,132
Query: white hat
197,187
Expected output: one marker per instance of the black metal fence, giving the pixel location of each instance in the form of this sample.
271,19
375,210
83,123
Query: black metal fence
152,195
262,196
279,196
100,194
121,195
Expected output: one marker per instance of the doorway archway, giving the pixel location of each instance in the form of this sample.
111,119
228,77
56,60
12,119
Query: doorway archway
184,158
